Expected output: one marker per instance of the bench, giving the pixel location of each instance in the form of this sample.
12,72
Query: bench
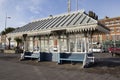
31,55
81,57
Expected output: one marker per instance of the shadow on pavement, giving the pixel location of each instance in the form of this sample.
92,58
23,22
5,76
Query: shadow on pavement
107,62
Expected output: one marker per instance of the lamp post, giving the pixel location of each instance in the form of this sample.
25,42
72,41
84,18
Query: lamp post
77,5
115,40
6,17
69,6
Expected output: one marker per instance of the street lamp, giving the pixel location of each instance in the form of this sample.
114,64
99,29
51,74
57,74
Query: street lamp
77,4
6,17
114,39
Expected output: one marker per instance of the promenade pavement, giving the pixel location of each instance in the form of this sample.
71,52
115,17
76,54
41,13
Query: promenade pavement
106,67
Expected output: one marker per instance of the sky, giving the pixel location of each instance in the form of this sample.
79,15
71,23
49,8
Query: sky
25,11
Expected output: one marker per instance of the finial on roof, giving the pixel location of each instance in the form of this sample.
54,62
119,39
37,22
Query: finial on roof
50,16
106,17
93,15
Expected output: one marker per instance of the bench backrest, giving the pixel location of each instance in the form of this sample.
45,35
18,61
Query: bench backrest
35,55
28,53
72,56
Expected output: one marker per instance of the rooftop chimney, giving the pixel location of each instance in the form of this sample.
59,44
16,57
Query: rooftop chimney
106,17
50,16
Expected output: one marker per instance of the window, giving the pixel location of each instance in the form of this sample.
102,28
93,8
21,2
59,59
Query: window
44,44
80,43
94,38
113,37
46,47
51,44
112,29
117,37
106,23
76,43
112,22
72,43
107,36
118,29
63,45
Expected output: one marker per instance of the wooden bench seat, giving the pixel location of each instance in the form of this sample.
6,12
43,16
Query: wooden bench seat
82,57
31,55
71,57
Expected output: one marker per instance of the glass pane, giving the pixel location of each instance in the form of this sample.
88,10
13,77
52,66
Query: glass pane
30,47
42,45
46,46
63,45
78,45
51,45
72,45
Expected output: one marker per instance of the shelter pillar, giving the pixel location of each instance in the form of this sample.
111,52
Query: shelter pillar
33,41
81,45
91,41
39,43
48,42
68,42
30,45
59,44
76,43
85,42
25,42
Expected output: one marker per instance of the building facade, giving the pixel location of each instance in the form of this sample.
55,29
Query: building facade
114,25
111,39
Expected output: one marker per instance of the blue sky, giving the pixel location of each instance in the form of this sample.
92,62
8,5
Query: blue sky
24,11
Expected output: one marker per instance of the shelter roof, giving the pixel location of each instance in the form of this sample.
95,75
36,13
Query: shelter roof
75,21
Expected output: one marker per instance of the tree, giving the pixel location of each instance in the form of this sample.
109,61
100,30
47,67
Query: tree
3,32
7,30
18,40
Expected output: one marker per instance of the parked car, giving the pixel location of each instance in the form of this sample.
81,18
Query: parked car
96,50
114,50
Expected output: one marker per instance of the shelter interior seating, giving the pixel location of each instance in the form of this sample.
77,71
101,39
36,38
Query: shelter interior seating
73,57
31,55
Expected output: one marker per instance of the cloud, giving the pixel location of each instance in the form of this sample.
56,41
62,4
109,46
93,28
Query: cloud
20,11
34,9
18,8
2,2
32,6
